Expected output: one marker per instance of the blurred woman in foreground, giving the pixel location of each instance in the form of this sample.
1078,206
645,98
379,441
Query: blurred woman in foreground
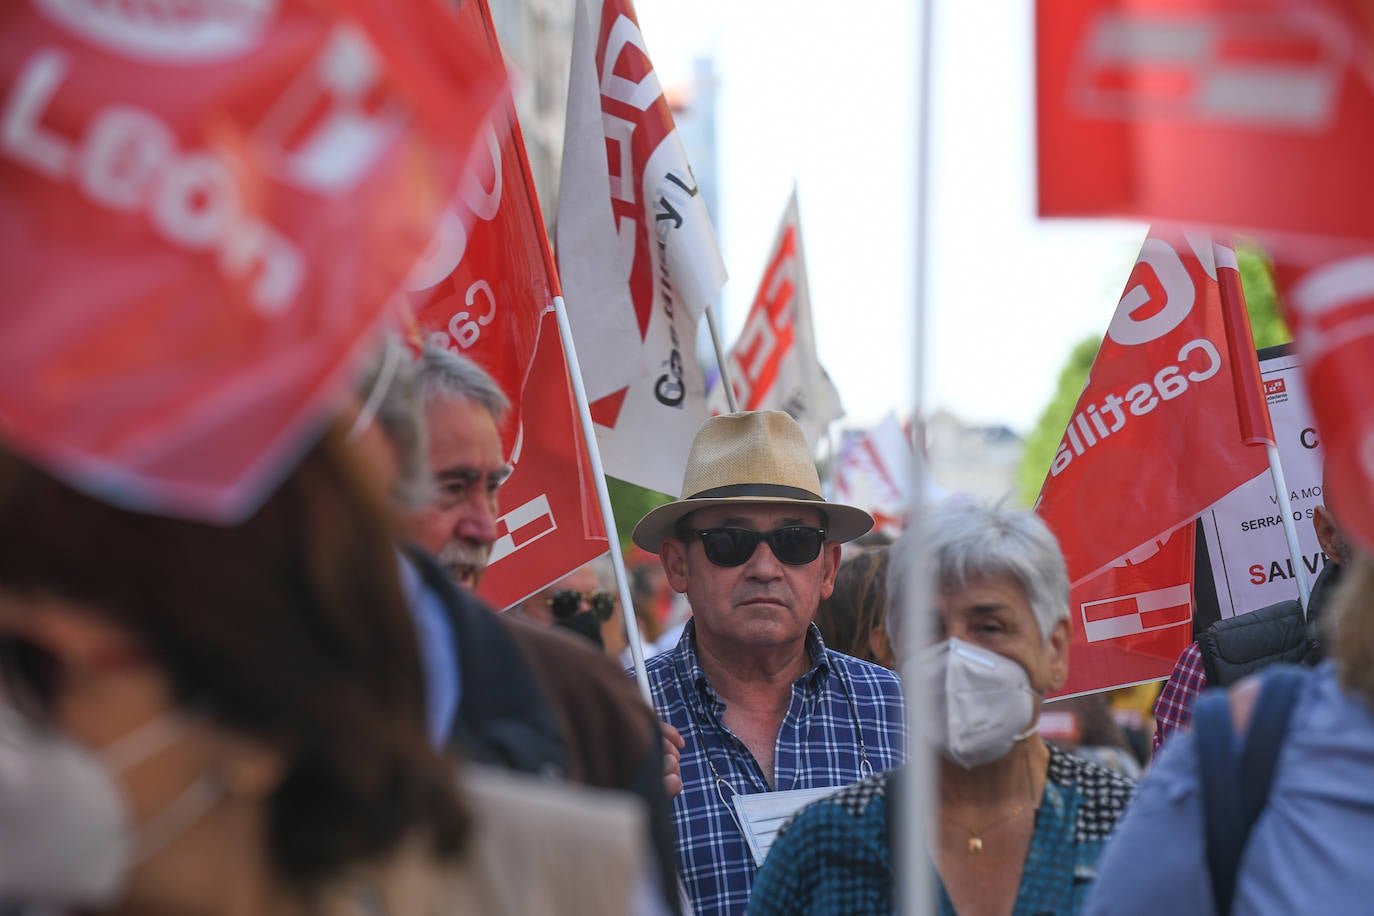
210,719
230,720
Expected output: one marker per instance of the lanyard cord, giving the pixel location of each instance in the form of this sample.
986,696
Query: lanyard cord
865,766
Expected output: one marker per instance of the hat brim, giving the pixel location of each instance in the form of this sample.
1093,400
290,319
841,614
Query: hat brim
842,523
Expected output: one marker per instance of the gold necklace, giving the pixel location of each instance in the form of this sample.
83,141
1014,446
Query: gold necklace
975,835
975,839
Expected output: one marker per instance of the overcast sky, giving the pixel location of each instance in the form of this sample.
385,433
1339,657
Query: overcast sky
824,95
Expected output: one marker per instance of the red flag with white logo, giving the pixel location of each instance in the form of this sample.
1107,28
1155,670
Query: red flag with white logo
1256,114
636,252
486,291
773,364
1130,621
1154,440
1328,296
203,217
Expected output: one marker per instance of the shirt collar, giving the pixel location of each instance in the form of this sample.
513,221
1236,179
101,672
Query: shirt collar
689,664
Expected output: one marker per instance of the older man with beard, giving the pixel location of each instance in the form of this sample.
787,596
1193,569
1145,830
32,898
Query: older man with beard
463,406
500,690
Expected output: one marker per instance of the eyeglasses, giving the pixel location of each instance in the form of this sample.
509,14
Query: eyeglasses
795,545
567,602
32,676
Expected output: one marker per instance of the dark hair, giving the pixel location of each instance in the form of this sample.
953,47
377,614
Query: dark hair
289,628
857,606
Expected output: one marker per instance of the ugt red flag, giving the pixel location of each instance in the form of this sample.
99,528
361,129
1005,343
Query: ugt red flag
203,217
487,292
1131,620
773,364
636,252
1329,300
1154,440
1249,113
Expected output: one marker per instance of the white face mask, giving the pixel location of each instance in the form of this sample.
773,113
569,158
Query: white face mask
982,702
65,839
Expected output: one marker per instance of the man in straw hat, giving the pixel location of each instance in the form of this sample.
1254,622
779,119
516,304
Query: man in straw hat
766,711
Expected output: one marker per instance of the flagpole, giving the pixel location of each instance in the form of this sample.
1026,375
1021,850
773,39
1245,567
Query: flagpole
603,495
721,361
1256,424
1290,530
912,854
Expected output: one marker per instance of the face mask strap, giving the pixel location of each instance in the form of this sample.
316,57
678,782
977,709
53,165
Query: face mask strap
141,743
152,836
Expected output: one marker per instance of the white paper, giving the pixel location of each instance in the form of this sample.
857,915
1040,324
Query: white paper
762,814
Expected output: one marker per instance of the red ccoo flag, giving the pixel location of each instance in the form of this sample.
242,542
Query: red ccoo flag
487,292
203,219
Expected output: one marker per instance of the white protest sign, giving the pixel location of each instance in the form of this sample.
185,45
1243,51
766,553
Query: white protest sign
1245,542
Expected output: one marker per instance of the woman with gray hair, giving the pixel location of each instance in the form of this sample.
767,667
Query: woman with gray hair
1021,823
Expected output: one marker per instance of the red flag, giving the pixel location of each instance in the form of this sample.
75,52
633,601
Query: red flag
1253,411
202,219
1154,440
1249,113
1329,301
487,292
1131,620
636,251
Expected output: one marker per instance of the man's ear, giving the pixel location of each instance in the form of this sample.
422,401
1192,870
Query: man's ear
1058,648
830,566
1328,535
672,554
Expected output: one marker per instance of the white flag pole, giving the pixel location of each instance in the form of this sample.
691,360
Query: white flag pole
603,495
721,361
913,879
1290,530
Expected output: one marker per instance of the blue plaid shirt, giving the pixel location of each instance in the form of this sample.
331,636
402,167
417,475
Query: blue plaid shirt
819,745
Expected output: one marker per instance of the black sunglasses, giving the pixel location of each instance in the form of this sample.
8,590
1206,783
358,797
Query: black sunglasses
795,545
568,602
30,677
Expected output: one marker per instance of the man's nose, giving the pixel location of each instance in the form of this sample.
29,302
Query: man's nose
764,564
478,521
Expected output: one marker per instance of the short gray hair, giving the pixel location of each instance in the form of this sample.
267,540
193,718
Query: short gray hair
967,542
389,380
444,373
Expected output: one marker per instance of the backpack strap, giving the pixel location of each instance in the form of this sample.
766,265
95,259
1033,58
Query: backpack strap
1235,787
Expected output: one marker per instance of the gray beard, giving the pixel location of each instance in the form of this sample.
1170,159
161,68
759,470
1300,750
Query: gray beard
464,562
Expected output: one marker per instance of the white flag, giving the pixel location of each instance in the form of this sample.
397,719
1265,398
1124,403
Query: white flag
873,471
773,364
636,252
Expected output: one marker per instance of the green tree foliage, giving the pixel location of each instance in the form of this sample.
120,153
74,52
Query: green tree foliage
1043,440
1266,323
629,504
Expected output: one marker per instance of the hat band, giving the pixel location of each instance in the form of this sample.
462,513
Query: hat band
760,490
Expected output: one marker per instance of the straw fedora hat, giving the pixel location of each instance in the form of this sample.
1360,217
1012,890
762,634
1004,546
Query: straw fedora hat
755,457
